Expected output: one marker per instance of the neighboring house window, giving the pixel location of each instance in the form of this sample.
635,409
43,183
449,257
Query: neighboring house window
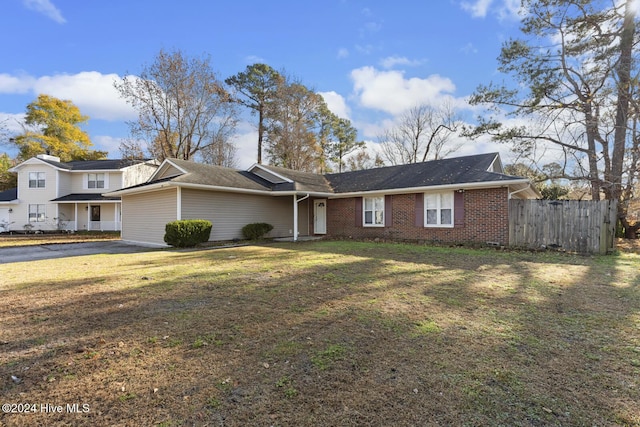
438,210
373,211
96,180
36,213
36,180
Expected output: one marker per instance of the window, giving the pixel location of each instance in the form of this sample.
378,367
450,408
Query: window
36,213
95,180
438,210
36,179
373,211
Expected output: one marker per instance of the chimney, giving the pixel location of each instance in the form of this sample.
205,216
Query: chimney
48,157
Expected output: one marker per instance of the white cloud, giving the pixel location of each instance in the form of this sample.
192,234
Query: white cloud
343,53
92,92
478,9
392,61
336,103
246,142
107,143
391,92
12,122
468,49
46,8
503,9
15,84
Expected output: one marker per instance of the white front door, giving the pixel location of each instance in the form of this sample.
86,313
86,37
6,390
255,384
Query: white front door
320,216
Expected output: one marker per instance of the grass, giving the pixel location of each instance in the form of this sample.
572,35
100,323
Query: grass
324,333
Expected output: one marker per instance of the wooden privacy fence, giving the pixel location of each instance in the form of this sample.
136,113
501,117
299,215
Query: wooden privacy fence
582,226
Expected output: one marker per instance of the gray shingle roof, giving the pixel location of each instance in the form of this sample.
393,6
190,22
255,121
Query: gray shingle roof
80,165
9,195
457,170
84,197
203,174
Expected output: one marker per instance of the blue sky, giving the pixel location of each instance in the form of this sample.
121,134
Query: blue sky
370,59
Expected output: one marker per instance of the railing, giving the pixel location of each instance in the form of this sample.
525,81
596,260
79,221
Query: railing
105,225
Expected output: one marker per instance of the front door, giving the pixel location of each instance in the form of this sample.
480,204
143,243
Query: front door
95,213
320,216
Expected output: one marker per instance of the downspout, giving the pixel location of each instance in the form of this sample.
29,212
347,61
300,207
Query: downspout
295,215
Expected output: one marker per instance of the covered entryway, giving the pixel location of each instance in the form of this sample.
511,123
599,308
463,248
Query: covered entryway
320,216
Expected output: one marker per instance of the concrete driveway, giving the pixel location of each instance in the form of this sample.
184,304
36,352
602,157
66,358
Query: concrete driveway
62,250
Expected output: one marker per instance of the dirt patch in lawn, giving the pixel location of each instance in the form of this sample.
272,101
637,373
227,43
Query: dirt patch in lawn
12,240
322,333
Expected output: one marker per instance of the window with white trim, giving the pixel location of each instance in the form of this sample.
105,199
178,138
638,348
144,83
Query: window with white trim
95,180
36,213
36,179
373,211
438,209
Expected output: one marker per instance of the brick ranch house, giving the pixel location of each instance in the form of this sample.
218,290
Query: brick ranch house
457,200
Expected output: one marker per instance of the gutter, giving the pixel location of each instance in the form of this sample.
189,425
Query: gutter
404,190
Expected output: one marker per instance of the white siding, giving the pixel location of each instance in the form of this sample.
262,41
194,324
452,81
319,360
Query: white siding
137,174
35,196
145,215
229,212
112,181
64,183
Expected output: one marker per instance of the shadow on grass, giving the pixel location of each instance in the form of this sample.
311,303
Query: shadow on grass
333,334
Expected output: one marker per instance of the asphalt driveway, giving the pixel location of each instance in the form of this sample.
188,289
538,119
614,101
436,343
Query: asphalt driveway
61,250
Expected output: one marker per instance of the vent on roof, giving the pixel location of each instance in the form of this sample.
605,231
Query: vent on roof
48,157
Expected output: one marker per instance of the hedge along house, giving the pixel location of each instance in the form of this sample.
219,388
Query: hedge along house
457,200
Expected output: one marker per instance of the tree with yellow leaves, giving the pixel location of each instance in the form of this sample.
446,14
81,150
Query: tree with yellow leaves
52,126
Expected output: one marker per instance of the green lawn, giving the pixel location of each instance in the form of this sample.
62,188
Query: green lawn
324,333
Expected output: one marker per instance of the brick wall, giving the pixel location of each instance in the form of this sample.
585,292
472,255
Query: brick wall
485,220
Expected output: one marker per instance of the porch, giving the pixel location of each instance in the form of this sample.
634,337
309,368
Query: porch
98,214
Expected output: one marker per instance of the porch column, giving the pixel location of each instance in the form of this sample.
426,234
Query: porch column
88,216
75,218
295,218
115,216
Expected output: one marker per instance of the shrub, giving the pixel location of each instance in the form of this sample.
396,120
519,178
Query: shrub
256,230
187,233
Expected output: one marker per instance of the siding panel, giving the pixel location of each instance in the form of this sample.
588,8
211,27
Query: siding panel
229,212
144,216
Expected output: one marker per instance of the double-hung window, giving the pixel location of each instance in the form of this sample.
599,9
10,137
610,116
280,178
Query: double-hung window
373,211
438,210
36,213
95,180
36,179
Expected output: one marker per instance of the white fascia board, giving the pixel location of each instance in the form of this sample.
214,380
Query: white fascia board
35,160
165,162
433,188
405,190
499,162
259,166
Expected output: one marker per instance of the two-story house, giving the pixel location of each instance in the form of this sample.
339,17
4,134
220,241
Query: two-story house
55,195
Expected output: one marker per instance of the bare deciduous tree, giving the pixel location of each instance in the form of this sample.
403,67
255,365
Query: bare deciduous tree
420,134
183,109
